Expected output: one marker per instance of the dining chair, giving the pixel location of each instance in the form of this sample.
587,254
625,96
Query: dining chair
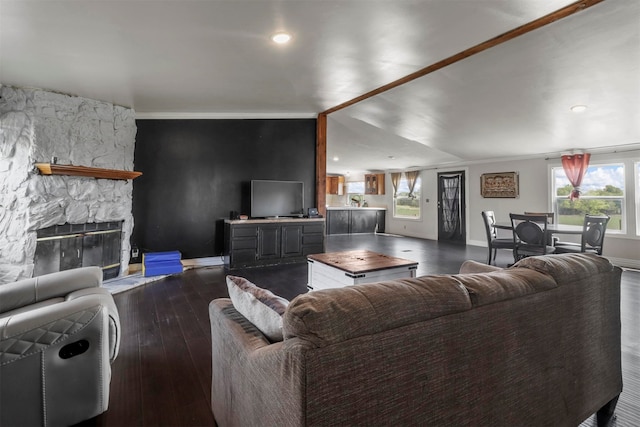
592,240
530,235
550,220
493,241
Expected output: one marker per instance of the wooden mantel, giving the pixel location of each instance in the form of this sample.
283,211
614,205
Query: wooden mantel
56,169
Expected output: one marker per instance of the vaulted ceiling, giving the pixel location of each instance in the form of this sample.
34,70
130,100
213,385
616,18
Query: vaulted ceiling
214,59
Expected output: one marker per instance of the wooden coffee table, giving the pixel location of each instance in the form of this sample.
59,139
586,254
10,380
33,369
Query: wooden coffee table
338,269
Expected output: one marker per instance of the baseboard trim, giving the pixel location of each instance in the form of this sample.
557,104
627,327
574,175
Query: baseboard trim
203,262
625,263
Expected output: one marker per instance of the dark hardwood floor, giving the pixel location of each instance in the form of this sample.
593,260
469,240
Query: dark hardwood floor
162,374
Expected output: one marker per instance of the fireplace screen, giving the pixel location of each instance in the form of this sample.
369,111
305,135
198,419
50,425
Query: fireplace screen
67,246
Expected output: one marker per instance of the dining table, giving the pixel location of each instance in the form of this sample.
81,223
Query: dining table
551,228
564,229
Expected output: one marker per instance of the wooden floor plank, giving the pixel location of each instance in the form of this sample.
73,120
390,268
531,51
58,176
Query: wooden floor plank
126,388
159,399
195,346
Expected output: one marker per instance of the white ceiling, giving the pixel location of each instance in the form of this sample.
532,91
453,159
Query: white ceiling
213,58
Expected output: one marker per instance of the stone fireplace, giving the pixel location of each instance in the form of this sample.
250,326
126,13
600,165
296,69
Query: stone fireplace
36,126
67,246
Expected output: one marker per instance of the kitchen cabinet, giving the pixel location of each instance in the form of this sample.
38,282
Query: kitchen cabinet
374,183
335,185
279,241
381,216
291,241
338,221
363,221
241,244
355,220
268,242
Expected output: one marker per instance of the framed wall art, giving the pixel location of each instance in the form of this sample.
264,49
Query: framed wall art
499,185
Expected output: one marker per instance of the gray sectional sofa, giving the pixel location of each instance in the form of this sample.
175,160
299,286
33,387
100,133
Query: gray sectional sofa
535,344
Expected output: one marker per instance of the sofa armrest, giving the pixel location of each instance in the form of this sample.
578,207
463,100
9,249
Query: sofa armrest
29,291
55,360
471,266
104,297
253,381
44,326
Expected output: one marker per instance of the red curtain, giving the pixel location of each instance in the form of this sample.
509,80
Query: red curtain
575,166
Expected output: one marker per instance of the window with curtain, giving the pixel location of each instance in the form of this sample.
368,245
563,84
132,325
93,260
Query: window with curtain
575,167
406,201
602,191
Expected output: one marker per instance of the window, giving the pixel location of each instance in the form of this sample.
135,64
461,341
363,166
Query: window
602,192
406,205
355,193
355,187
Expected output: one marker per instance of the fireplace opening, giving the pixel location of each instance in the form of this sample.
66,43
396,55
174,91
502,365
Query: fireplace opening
67,246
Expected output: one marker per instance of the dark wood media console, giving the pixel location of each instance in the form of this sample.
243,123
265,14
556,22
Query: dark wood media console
260,242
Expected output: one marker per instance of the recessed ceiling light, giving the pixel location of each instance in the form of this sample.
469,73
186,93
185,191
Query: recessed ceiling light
281,38
336,158
579,108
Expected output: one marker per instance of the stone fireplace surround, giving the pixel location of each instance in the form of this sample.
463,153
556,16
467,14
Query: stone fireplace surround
68,246
37,125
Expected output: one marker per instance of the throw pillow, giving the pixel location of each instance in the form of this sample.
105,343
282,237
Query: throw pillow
260,306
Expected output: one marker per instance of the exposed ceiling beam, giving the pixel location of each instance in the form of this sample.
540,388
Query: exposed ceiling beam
502,38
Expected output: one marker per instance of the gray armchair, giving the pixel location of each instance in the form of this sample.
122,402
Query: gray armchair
59,334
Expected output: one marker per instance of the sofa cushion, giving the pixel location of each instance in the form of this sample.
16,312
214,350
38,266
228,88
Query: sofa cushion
567,268
260,306
504,284
471,266
329,316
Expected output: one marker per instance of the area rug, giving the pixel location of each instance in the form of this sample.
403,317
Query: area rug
130,281
124,283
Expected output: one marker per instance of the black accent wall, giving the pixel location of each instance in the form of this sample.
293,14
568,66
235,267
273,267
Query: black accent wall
195,172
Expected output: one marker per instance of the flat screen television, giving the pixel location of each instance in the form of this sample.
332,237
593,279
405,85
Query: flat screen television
277,199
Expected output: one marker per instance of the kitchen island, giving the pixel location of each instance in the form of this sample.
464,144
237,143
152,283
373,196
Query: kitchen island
350,220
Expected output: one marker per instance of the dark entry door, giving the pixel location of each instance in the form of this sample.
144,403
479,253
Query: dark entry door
451,207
